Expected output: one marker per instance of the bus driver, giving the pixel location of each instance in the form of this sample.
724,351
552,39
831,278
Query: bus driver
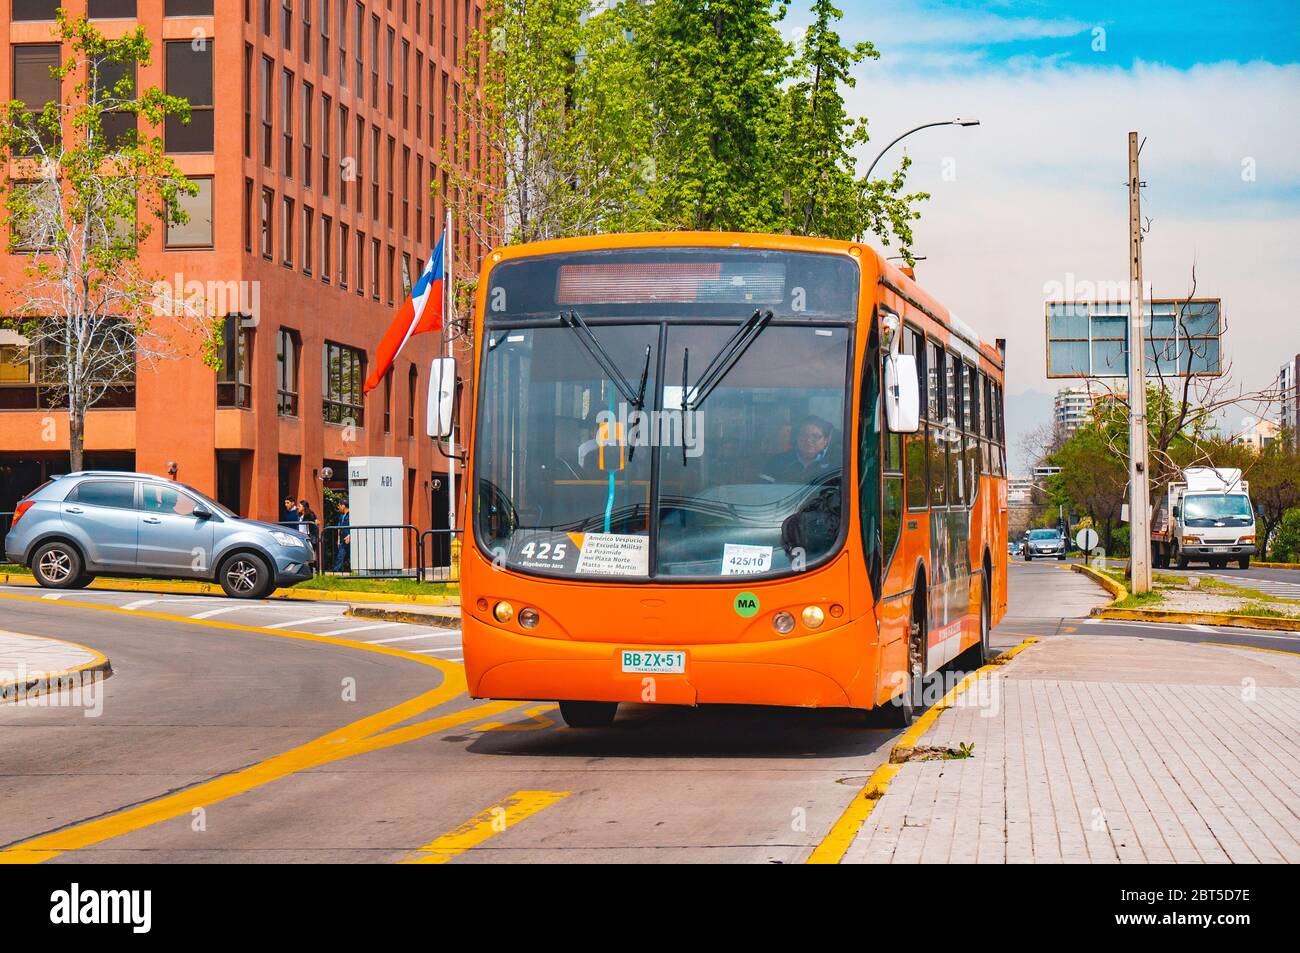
809,459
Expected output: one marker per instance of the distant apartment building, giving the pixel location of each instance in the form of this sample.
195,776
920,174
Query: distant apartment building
1020,490
317,130
1289,411
1073,406
1256,433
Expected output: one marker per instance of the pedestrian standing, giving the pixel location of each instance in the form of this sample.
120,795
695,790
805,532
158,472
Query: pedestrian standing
343,553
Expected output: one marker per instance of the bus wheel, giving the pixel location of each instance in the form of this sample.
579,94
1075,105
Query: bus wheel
588,714
899,711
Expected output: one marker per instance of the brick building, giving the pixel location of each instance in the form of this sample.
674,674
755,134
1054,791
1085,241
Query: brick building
316,133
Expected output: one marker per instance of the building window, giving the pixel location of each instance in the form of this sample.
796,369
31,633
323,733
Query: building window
412,390
390,48
248,101
306,31
248,216
268,108
343,43
286,23
342,375
187,8
374,268
286,120
361,264
388,401
196,231
392,257
287,247
326,131
34,9
33,85
345,169
189,75
116,126
268,215
326,248
419,94
288,350
358,173
308,117
374,173
406,190
406,82
111,9
358,33
324,36
234,380
308,238
344,237
419,200
392,150
374,61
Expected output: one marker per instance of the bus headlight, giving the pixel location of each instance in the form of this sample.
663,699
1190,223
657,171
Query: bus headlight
529,618
783,622
503,611
813,617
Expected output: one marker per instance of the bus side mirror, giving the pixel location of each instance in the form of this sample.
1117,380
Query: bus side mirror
441,412
902,395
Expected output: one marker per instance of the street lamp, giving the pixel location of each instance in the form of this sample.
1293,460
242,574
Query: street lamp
946,122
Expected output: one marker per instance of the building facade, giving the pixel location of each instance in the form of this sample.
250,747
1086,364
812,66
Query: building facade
1256,433
316,140
1289,404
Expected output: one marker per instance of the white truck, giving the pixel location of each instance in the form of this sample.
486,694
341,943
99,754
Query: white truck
1207,517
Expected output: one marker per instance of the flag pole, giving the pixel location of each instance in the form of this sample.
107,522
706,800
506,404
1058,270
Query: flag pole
449,289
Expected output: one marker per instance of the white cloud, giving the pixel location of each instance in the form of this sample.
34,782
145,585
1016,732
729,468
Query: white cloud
1040,191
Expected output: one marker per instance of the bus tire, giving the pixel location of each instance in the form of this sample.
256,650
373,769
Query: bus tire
899,711
588,714
981,653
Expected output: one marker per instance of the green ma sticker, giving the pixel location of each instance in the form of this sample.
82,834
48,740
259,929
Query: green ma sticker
746,604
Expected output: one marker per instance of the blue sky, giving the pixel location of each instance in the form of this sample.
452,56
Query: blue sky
1178,33
1035,196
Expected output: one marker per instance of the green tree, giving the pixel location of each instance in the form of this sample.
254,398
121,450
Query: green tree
83,194
1274,486
826,197
1286,547
1093,479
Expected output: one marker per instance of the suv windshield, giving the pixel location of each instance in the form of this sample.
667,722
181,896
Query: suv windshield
573,479
1233,510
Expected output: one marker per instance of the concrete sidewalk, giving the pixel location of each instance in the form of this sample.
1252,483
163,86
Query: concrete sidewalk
32,665
1098,749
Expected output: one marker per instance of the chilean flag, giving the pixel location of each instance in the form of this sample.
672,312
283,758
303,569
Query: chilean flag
421,312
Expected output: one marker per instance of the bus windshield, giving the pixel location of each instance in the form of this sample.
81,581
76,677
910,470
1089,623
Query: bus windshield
741,478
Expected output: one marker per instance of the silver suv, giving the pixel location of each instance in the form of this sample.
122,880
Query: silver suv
108,523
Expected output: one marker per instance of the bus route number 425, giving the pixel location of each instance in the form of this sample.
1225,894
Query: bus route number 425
654,662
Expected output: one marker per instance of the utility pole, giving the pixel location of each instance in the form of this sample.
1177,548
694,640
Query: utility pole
1139,507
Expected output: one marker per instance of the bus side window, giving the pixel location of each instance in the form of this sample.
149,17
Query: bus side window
952,422
917,480
936,444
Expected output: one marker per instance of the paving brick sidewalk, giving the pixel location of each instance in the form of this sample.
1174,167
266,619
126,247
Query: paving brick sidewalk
1098,749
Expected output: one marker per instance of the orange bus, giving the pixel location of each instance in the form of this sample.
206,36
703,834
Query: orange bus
726,468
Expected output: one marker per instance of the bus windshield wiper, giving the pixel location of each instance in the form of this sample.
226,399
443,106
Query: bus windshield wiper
639,403
725,360
573,321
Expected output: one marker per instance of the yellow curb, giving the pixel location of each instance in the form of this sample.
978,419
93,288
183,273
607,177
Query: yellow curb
1117,591
408,616
212,589
1275,565
1201,618
836,843
45,682
1253,648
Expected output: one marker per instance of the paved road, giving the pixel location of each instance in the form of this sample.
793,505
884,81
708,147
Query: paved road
227,735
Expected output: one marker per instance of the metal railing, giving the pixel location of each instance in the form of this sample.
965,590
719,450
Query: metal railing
440,552
370,552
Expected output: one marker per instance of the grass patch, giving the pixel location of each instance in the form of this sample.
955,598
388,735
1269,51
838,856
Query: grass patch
1140,600
13,569
402,587
1261,611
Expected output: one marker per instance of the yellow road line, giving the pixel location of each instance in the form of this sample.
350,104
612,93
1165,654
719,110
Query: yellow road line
534,719
1253,648
836,843
501,816
108,584
359,737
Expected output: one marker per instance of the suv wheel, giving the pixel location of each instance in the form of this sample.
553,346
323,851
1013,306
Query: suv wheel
57,565
245,576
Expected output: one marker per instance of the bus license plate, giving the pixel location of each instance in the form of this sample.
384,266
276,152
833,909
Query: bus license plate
654,663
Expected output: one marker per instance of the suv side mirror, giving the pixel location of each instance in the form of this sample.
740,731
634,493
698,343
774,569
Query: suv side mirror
441,411
902,394
201,512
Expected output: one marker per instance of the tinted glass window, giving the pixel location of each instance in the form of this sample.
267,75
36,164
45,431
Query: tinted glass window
107,9
163,498
197,231
119,493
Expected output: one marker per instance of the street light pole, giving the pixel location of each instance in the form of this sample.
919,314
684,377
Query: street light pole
946,122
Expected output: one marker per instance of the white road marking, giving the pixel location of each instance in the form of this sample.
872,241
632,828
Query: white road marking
139,603
211,612
361,628
412,638
310,620
53,595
